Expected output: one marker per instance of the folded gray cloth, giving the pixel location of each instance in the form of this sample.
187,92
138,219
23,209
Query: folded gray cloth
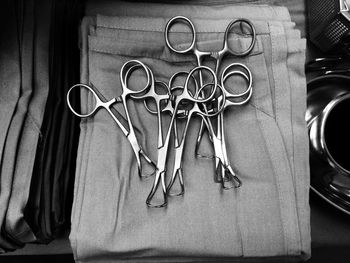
15,225
9,85
14,134
105,26
9,71
267,217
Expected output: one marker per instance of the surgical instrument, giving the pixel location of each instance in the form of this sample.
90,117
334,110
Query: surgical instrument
128,131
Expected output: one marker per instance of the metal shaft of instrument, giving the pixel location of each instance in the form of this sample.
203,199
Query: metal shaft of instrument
177,169
123,99
218,139
161,167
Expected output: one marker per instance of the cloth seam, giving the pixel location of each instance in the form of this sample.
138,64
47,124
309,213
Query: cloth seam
261,110
291,162
108,51
278,186
273,92
88,137
273,51
175,32
33,121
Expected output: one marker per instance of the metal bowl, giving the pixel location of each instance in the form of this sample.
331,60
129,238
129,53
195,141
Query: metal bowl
328,99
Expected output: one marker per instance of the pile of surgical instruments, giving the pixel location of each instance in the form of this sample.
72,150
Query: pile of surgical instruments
203,93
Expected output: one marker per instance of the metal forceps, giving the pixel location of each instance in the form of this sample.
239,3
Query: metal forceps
151,93
231,100
177,100
129,131
217,55
168,108
223,167
179,144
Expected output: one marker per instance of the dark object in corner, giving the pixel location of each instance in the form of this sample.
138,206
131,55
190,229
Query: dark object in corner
329,25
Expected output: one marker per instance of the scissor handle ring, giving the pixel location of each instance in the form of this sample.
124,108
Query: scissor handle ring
215,84
145,100
98,104
252,43
180,113
171,22
245,76
222,104
131,69
162,83
246,69
248,90
126,71
172,79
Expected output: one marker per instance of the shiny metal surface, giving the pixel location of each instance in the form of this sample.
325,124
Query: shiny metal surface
329,179
185,96
317,125
128,130
225,173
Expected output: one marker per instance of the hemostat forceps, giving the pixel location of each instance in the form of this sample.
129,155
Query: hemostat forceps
128,131
218,56
177,169
185,97
243,97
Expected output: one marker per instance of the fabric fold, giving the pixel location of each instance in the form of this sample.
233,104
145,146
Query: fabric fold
16,227
16,127
266,219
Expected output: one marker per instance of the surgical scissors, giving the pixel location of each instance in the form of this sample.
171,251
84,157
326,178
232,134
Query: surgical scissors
128,131
177,100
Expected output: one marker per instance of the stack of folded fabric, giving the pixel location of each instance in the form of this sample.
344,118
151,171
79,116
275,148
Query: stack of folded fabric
49,203
30,39
39,61
267,217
